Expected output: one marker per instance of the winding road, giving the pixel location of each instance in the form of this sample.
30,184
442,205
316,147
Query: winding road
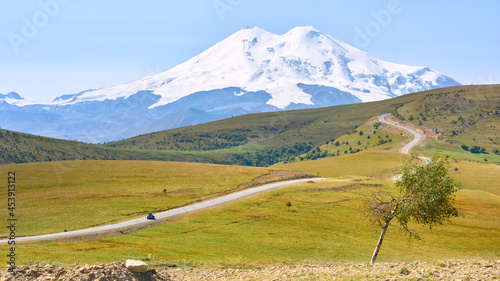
202,205
166,214
416,135
406,149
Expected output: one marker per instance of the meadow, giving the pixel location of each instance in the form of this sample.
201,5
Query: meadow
324,222
67,195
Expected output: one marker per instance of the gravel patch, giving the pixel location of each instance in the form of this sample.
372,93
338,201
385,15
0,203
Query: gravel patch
449,270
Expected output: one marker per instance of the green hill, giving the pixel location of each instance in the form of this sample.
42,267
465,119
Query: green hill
466,115
463,122
24,148
18,148
267,138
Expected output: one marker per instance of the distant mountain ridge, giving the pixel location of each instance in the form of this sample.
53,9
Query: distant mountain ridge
251,71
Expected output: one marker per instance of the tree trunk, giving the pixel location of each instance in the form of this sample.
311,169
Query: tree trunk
380,239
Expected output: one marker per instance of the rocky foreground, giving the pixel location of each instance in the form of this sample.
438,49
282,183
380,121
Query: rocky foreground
451,270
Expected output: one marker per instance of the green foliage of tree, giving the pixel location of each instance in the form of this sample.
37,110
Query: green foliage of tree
426,196
477,149
464,147
271,156
396,114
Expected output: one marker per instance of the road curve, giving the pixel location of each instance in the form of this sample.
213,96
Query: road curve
166,214
416,135
406,149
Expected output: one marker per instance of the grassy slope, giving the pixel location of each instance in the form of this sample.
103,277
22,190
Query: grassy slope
18,147
322,220
269,129
315,125
67,195
23,148
477,104
468,115
324,223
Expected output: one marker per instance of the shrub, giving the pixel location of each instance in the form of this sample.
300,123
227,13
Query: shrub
404,271
477,149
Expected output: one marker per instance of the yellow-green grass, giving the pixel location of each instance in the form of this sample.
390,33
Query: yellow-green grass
377,159
369,163
367,137
68,195
474,176
485,134
468,115
432,146
325,222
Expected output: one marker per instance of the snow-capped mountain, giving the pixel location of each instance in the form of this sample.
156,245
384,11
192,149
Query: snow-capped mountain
250,71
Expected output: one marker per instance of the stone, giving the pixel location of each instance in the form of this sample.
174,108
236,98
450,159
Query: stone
136,266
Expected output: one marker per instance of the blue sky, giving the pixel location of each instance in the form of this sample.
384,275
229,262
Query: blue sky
53,47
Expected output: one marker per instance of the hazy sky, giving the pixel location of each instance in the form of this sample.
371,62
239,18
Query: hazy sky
53,47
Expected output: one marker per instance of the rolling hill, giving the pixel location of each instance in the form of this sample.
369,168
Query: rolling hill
267,138
314,127
462,122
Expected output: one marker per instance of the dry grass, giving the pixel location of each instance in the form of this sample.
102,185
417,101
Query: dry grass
276,176
57,196
324,223
371,163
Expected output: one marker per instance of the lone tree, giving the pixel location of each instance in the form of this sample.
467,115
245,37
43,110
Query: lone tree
426,196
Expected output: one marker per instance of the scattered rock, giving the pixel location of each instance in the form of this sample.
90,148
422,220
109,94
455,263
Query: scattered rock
136,266
311,271
107,272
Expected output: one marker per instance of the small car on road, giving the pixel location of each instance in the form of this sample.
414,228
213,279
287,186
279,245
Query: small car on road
151,216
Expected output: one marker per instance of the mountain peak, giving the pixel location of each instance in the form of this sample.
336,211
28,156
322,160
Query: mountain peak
11,95
251,31
253,59
250,71
304,29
